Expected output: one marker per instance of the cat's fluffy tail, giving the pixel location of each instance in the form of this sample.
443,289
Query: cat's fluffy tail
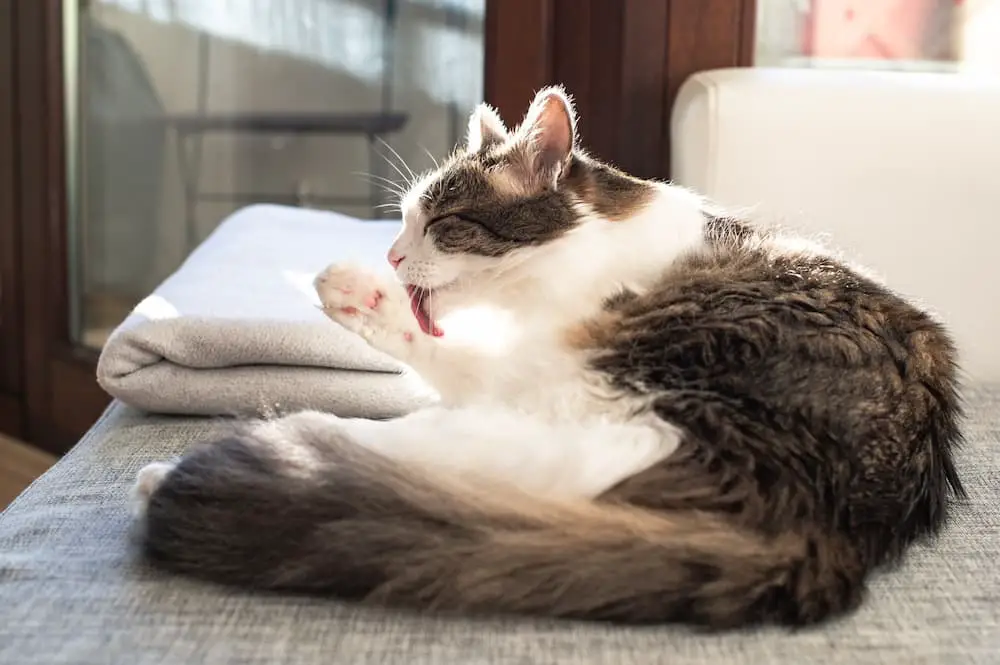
333,518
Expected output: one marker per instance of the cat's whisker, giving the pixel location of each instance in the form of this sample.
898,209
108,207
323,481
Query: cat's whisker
413,176
406,180
395,196
379,178
431,155
385,187
397,170
385,184
366,174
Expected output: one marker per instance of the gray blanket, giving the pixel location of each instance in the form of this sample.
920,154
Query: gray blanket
236,330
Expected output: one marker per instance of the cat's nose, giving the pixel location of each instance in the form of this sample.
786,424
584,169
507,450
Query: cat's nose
395,258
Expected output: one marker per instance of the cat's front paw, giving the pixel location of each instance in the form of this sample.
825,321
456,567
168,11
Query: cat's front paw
375,308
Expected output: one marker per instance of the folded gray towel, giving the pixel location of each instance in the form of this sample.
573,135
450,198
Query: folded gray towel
237,329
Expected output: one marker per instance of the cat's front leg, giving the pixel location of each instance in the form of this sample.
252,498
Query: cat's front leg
374,307
378,309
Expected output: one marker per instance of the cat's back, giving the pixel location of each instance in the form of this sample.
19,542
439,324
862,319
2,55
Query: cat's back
779,331
758,302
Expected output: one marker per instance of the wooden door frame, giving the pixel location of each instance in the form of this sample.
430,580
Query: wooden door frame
10,283
61,397
622,59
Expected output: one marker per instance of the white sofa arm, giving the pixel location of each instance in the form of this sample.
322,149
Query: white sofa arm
902,171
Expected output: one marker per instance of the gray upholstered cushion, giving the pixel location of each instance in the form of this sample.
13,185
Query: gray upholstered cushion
71,590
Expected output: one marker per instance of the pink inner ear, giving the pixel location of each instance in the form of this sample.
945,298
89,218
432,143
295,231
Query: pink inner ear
554,132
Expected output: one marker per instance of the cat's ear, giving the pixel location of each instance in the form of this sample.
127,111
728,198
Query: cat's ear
548,134
485,129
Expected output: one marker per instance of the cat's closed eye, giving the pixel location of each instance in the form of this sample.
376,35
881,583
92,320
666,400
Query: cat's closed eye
455,233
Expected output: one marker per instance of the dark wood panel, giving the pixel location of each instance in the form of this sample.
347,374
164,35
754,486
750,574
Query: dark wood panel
10,283
643,90
518,57
610,55
10,416
573,57
627,90
587,60
704,35
40,199
747,34
76,401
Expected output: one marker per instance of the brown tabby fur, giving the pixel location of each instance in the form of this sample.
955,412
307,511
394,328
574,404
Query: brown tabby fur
819,410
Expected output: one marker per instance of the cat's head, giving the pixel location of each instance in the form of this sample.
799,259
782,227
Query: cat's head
487,215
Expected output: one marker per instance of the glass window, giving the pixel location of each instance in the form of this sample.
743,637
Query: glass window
182,111
920,35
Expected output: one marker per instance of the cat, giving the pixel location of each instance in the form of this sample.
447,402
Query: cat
649,412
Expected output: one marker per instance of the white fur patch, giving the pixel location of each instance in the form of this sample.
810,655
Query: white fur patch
557,459
146,482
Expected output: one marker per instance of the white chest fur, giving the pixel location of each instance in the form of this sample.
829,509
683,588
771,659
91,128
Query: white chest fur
526,369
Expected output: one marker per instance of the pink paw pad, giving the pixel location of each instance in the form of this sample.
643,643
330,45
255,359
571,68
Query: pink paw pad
408,336
372,301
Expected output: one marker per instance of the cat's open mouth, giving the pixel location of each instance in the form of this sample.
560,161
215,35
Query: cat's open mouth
420,304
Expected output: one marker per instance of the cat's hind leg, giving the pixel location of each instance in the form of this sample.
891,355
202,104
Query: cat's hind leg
146,482
281,436
537,455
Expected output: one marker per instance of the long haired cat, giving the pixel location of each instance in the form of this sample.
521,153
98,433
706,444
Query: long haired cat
649,413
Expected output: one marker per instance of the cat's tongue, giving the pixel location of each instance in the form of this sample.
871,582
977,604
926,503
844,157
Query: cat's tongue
418,305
